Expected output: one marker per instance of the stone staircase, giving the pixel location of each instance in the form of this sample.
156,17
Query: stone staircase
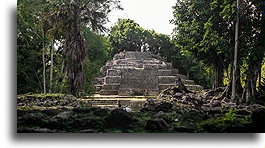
112,101
138,73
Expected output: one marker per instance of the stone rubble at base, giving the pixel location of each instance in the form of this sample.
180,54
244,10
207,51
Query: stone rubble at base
138,73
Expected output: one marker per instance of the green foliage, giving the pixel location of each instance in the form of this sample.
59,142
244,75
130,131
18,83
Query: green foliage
229,115
202,32
196,70
158,44
98,48
228,122
43,23
126,35
29,46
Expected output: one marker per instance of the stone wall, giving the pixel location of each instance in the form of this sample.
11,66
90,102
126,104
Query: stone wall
137,73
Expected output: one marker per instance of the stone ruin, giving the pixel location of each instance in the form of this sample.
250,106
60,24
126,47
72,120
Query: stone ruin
138,73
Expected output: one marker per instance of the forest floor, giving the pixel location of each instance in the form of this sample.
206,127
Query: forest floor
172,111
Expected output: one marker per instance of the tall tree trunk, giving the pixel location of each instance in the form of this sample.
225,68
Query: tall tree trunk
60,77
235,76
259,75
218,74
249,91
51,68
238,87
64,77
254,66
44,65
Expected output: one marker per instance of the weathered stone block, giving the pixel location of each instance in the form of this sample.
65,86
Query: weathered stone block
111,86
98,87
124,66
99,81
164,72
112,79
150,66
162,66
108,92
138,55
105,68
166,79
138,82
113,72
152,61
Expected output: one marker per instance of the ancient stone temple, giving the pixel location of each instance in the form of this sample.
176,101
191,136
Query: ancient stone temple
138,73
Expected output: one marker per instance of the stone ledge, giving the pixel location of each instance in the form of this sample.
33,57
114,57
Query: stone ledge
108,92
164,72
113,72
166,79
112,79
114,86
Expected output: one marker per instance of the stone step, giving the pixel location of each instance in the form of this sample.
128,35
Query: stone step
169,65
164,72
113,72
174,71
105,68
137,55
123,66
108,92
111,103
99,81
112,79
165,86
194,87
127,62
188,82
113,86
152,62
115,102
182,77
98,87
166,79
150,66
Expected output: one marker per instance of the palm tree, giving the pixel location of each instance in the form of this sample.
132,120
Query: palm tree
73,15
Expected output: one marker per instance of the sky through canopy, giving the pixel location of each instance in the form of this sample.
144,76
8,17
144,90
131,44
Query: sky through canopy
149,14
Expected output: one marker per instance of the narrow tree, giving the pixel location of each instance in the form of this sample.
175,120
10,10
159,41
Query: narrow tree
43,63
235,64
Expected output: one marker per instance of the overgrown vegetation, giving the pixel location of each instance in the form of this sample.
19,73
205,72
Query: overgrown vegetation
96,120
61,48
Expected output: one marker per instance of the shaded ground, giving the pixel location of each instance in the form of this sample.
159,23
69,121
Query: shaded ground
171,112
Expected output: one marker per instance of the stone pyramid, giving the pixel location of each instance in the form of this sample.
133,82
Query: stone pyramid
138,73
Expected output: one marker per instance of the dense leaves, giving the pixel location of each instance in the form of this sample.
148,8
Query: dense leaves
205,30
50,39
